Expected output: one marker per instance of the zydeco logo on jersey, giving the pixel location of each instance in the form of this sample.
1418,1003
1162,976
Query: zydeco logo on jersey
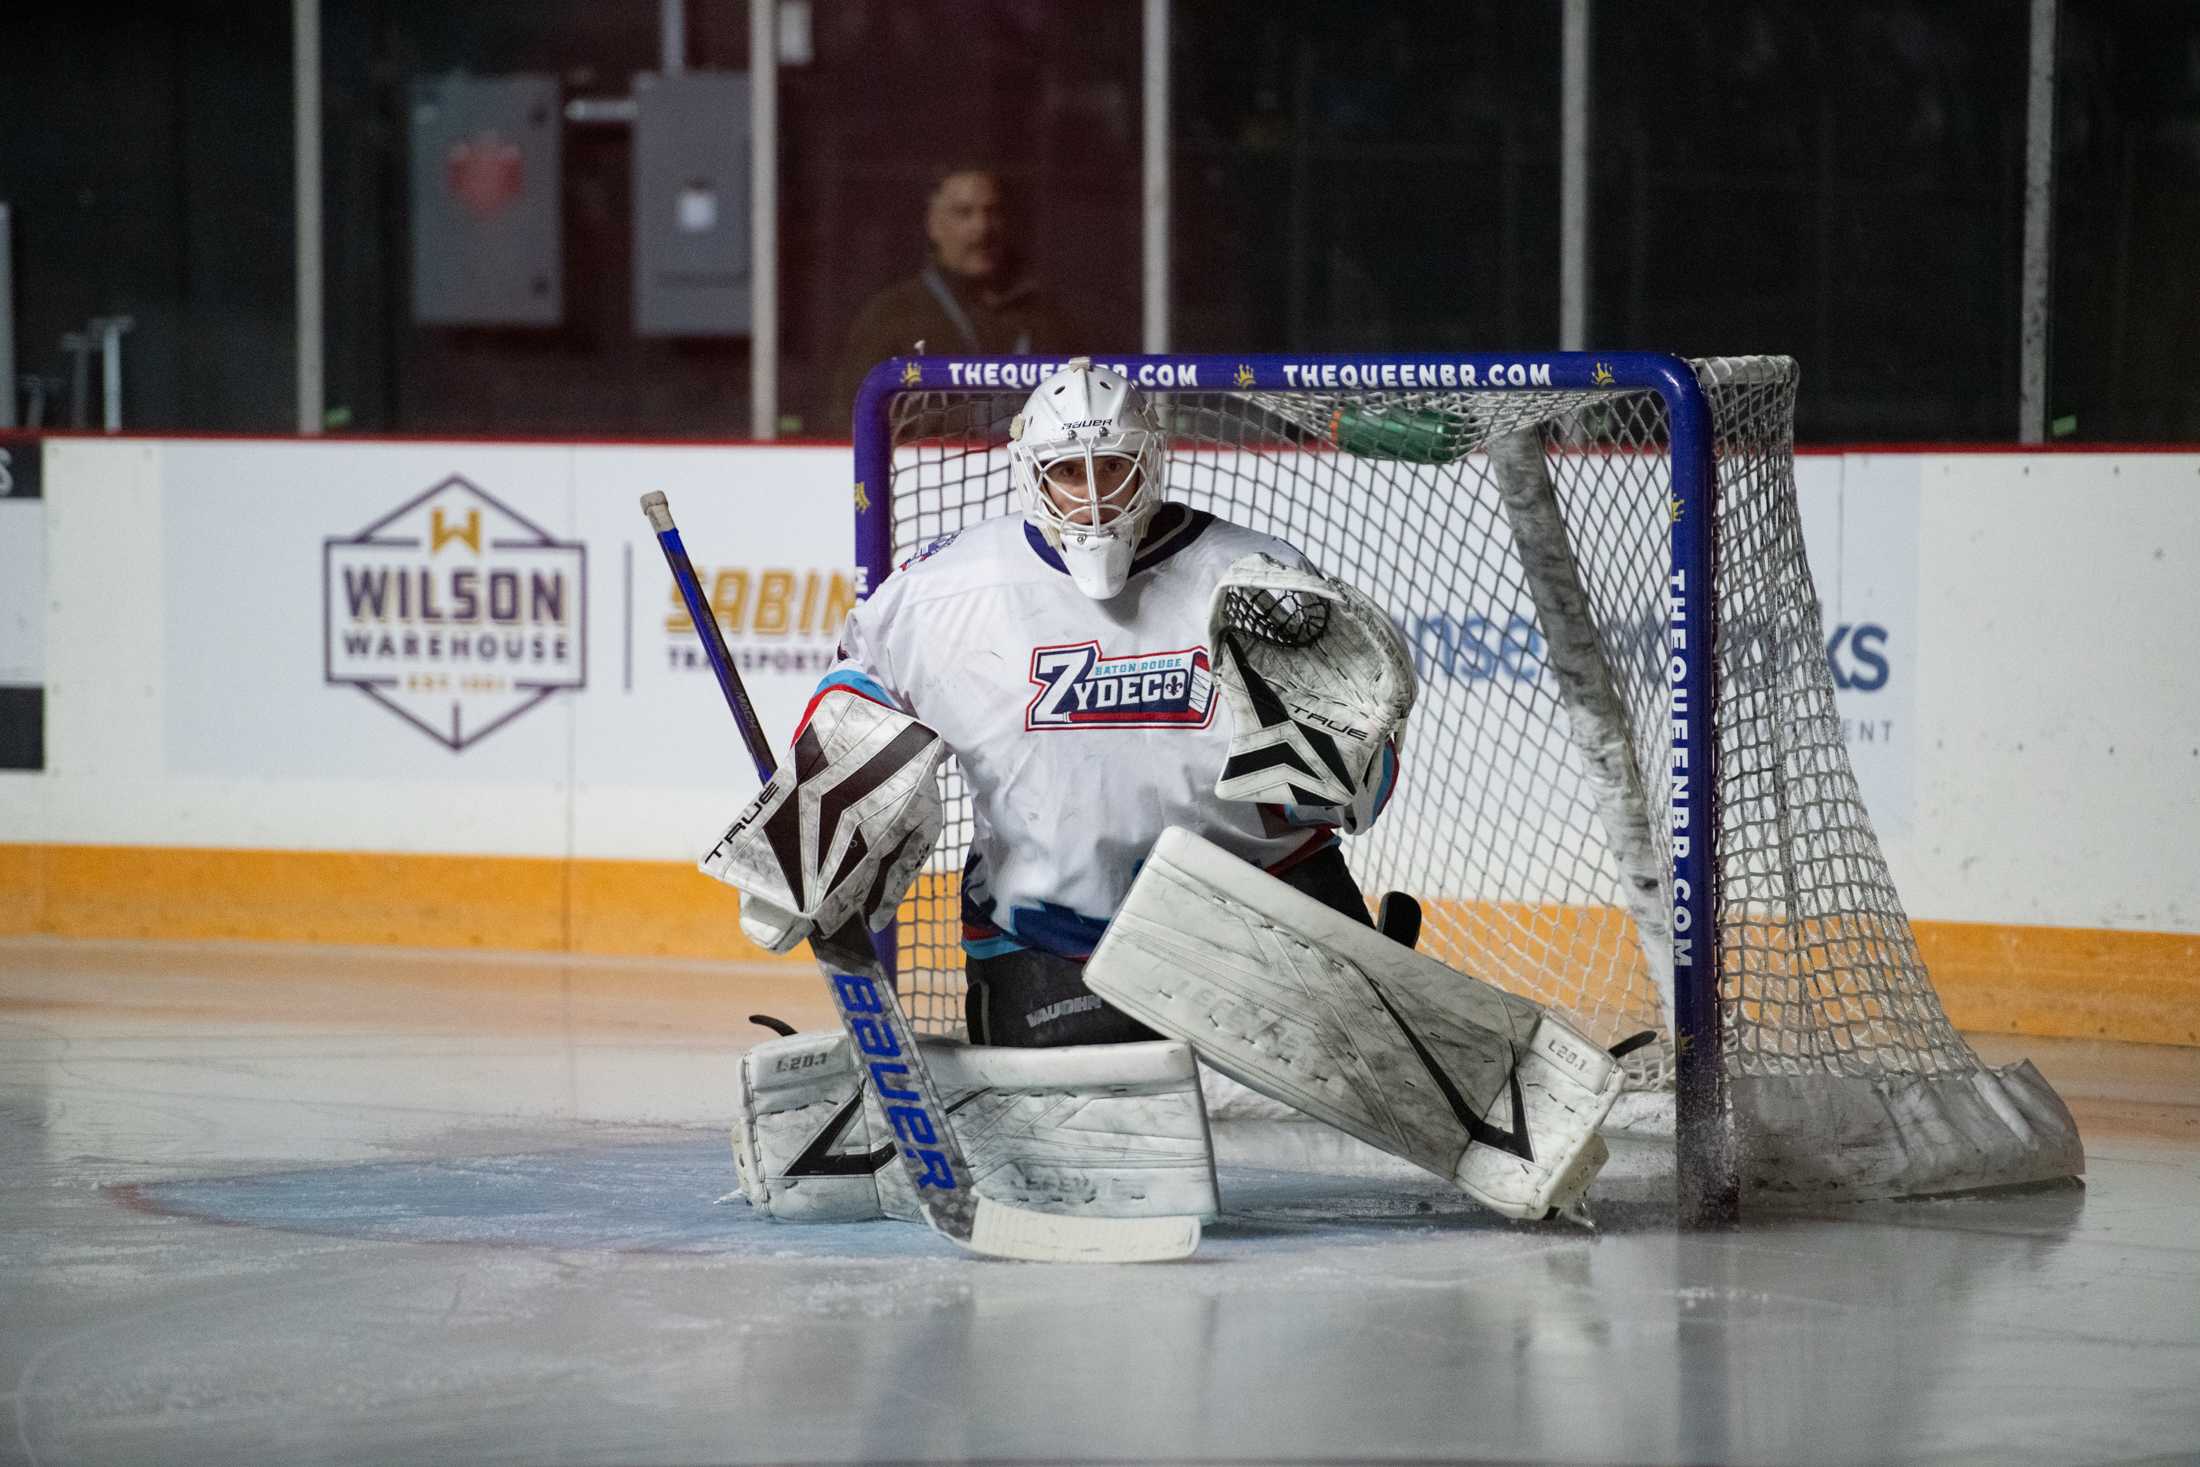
1078,688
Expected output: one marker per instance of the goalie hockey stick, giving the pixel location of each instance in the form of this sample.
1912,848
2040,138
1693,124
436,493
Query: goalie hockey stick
863,993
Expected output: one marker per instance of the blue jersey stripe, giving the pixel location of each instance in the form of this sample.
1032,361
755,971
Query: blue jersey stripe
856,682
1389,780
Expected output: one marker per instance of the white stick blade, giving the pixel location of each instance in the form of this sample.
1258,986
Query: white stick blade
1044,1237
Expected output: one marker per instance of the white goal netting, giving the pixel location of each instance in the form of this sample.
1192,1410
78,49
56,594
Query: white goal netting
1520,540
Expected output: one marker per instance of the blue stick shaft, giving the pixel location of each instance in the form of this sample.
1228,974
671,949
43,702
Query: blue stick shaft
862,985
714,642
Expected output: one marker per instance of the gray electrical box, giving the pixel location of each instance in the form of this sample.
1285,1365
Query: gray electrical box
692,254
486,244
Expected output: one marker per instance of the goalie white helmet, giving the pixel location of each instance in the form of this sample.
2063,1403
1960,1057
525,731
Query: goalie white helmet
1087,453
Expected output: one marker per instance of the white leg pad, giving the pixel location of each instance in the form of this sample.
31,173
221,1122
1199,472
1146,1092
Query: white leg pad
1105,1130
1567,1085
803,1147
1330,1017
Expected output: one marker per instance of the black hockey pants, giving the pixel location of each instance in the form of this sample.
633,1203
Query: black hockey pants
1031,998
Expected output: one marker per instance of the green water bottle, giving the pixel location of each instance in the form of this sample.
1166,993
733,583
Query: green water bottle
1411,435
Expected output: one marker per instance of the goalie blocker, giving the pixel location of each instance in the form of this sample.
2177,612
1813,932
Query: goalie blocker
1336,1020
838,832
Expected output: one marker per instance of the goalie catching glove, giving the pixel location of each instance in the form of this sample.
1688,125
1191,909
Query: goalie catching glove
1318,681
840,830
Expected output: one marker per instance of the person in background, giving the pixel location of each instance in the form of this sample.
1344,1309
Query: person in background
972,298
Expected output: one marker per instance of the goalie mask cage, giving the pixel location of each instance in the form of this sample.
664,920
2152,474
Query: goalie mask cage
1624,788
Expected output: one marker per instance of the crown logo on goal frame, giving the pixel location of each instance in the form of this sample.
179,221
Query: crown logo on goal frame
1244,375
1602,376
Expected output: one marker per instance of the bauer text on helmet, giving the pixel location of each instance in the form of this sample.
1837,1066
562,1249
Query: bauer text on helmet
1087,455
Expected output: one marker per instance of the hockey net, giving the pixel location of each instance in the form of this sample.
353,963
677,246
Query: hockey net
1520,539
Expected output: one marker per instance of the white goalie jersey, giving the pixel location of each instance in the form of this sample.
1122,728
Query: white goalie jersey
1084,727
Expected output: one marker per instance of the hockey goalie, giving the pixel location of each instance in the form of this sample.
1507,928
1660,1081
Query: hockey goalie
1167,722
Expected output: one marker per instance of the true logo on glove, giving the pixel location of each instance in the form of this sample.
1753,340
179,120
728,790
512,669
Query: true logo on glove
1306,713
1078,688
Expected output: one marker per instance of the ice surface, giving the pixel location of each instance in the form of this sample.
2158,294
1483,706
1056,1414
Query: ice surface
308,1206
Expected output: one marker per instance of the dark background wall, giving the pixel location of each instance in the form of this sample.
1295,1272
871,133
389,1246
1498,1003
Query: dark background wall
2126,309
1843,183
145,153
1045,90
1349,178
590,373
